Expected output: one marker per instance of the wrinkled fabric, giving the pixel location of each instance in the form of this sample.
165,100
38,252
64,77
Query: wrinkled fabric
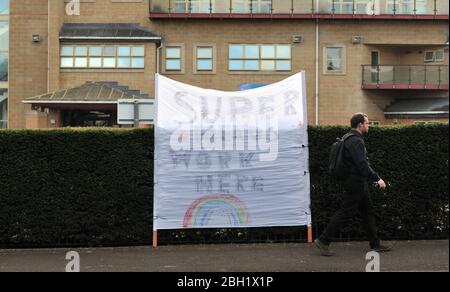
206,177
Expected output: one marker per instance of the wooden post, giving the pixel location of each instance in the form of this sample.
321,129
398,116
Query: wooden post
155,238
310,234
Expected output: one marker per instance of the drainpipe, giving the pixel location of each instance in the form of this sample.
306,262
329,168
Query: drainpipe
48,45
158,55
317,71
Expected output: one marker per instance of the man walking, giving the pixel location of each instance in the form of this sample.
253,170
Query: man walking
356,193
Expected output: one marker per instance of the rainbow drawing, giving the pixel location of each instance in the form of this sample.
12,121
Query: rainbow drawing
228,209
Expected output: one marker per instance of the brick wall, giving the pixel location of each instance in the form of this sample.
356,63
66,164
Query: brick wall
34,68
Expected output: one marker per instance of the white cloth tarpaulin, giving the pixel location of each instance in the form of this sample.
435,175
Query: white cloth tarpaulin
231,159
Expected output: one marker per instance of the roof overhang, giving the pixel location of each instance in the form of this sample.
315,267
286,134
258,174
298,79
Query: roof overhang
420,107
89,96
417,113
67,102
75,106
107,32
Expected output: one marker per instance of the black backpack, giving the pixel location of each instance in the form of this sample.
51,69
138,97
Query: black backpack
337,166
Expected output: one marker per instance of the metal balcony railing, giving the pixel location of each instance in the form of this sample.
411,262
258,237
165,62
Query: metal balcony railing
311,7
405,77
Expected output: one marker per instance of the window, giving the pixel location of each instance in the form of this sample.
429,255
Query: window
3,67
109,57
407,6
421,7
4,50
259,57
244,58
433,56
350,6
181,6
374,123
393,7
334,58
365,7
81,59
429,56
123,57
193,6
252,6
262,6
341,6
439,56
95,54
4,60
106,57
205,58
201,6
137,57
173,58
3,108
4,7
240,6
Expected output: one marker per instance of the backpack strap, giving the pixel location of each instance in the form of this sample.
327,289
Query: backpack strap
348,135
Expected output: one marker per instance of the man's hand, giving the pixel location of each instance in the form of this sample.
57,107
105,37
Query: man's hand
381,184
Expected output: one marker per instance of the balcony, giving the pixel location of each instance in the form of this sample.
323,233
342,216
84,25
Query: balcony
301,9
405,77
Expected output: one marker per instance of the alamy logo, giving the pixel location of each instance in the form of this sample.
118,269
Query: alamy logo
247,133
73,266
237,123
373,7
73,8
374,262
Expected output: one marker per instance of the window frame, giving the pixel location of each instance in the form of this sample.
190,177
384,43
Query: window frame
260,59
181,58
425,60
4,83
196,58
343,70
102,56
339,5
8,6
4,108
441,59
407,7
258,7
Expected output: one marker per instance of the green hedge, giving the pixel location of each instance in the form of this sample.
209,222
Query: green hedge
413,160
82,187
94,187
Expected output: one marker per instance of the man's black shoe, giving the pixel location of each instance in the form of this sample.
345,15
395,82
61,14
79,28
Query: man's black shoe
324,248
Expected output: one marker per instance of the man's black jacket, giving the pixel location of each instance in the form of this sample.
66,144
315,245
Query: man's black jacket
355,155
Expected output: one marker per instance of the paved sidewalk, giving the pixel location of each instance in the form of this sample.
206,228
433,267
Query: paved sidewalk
407,256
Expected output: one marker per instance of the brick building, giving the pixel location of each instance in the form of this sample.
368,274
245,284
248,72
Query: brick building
67,62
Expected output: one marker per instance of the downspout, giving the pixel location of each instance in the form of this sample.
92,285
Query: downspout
48,45
316,8
158,56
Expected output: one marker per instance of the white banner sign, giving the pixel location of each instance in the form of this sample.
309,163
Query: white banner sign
231,159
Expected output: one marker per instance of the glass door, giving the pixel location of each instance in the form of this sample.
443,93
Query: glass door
375,62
